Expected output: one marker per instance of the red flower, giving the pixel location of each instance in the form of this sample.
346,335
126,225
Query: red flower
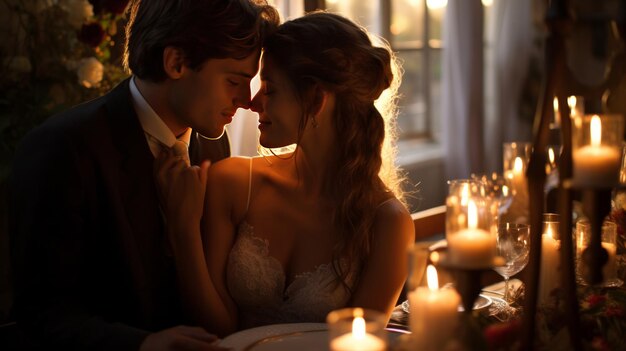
614,311
115,6
599,343
91,34
594,299
502,335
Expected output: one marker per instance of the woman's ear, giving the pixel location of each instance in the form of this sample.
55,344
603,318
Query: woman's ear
173,62
320,101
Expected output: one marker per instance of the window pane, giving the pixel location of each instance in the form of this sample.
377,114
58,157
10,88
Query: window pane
436,12
407,18
365,13
412,107
436,58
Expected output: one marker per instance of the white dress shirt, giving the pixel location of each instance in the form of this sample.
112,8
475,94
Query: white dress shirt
158,134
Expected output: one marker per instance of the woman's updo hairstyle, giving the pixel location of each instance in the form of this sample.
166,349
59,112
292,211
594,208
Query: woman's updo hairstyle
328,51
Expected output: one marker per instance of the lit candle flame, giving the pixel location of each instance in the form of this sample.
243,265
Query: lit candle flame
505,190
358,324
557,116
596,130
472,215
549,231
518,165
431,277
571,102
551,155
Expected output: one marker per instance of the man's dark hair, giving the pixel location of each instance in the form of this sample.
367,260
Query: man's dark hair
202,29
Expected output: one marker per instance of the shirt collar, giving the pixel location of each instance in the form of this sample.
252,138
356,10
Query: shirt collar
150,121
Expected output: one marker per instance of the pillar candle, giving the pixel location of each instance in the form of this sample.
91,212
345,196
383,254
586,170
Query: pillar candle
433,313
596,165
550,263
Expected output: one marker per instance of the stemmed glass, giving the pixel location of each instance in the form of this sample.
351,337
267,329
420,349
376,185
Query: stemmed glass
513,244
497,187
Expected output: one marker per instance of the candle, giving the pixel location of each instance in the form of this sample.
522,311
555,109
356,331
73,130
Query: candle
433,313
609,271
557,114
358,339
596,165
472,247
550,262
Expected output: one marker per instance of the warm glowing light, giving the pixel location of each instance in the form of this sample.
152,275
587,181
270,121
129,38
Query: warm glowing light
551,156
596,131
571,102
487,3
505,191
434,257
518,165
436,4
557,115
465,193
358,325
414,3
472,215
431,277
331,1
549,231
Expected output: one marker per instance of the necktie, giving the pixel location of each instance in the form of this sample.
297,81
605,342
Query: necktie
181,150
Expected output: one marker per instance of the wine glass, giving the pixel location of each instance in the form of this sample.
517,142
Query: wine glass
498,187
513,244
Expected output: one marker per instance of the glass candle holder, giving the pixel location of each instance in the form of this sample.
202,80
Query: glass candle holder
511,152
356,329
609,237
597,150
471,230
516,156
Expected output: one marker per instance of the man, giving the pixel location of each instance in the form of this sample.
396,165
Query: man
92,264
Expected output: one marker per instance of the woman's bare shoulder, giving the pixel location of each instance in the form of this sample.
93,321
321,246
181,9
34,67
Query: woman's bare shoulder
392,215
229,171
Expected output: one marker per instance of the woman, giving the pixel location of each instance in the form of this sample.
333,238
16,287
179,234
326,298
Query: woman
290,237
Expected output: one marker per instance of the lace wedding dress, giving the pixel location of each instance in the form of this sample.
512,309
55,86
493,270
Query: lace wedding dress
257,284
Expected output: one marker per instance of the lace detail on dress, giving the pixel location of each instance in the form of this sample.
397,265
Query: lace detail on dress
256,282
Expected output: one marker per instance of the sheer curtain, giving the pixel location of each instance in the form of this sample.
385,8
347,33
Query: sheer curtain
462,88
512,35
472,139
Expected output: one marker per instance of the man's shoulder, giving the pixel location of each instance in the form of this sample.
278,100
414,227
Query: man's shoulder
73,122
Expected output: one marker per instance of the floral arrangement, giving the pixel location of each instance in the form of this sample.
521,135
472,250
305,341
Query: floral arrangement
602,320
54,54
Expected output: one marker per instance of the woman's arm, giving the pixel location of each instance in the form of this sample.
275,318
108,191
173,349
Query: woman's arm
386,268
183,199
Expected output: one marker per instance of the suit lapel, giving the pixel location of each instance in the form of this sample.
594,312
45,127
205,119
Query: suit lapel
145,243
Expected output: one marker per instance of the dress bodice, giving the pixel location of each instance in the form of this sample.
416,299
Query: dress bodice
257,283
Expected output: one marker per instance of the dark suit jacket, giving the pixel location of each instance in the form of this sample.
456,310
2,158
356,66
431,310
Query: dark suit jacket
91,264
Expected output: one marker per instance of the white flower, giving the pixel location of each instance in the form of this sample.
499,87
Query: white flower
89,72
78,11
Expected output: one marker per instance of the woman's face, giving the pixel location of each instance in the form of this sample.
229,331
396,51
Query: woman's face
277,106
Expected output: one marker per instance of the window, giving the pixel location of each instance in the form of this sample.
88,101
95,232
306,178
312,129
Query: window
414,31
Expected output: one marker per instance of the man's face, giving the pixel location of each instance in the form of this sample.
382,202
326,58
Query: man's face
206,100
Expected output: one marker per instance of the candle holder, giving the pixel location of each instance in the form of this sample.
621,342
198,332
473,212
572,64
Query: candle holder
471,229
467,282
583,236
597,150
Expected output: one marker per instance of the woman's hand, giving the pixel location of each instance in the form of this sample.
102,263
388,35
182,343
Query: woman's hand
181,190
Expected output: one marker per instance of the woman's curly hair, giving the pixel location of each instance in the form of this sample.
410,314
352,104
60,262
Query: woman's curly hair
331,52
